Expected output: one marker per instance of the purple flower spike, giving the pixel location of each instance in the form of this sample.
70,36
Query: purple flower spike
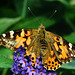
23,65
52,74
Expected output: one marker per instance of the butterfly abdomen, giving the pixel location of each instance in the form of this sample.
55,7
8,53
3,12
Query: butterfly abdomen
43,44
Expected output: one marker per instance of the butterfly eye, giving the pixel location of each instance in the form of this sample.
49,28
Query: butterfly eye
41,27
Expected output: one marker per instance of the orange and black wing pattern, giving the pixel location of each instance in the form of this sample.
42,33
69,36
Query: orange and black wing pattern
13,39
53,48
61,51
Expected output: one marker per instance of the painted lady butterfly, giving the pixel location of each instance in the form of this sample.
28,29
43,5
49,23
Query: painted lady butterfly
53,48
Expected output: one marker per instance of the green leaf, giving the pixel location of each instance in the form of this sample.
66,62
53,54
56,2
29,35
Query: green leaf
21,6
70,37
7,52
4,71
5,23
65,2
70,65
5,62
33,23
6,12
70,23
72,2
6,57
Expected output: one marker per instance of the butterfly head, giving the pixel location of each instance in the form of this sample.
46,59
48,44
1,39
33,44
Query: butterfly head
41,27
41,31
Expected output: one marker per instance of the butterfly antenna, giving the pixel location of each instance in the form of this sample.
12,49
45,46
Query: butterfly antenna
33,15
53,14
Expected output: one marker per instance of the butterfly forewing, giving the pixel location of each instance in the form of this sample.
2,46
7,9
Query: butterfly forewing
13,39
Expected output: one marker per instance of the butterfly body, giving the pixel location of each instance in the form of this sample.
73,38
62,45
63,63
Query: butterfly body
53,48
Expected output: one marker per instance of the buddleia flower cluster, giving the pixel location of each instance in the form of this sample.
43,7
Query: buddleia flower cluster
22,64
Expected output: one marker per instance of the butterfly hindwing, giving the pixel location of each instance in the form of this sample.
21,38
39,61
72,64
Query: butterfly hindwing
51,62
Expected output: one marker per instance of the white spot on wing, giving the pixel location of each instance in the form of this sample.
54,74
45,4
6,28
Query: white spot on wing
70,46
4,35
71,54
3,39
11,34
6,41
10,42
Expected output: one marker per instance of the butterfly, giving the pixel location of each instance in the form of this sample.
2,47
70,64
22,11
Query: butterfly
53,48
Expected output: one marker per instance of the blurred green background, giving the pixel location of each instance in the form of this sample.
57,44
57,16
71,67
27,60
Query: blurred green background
14,14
